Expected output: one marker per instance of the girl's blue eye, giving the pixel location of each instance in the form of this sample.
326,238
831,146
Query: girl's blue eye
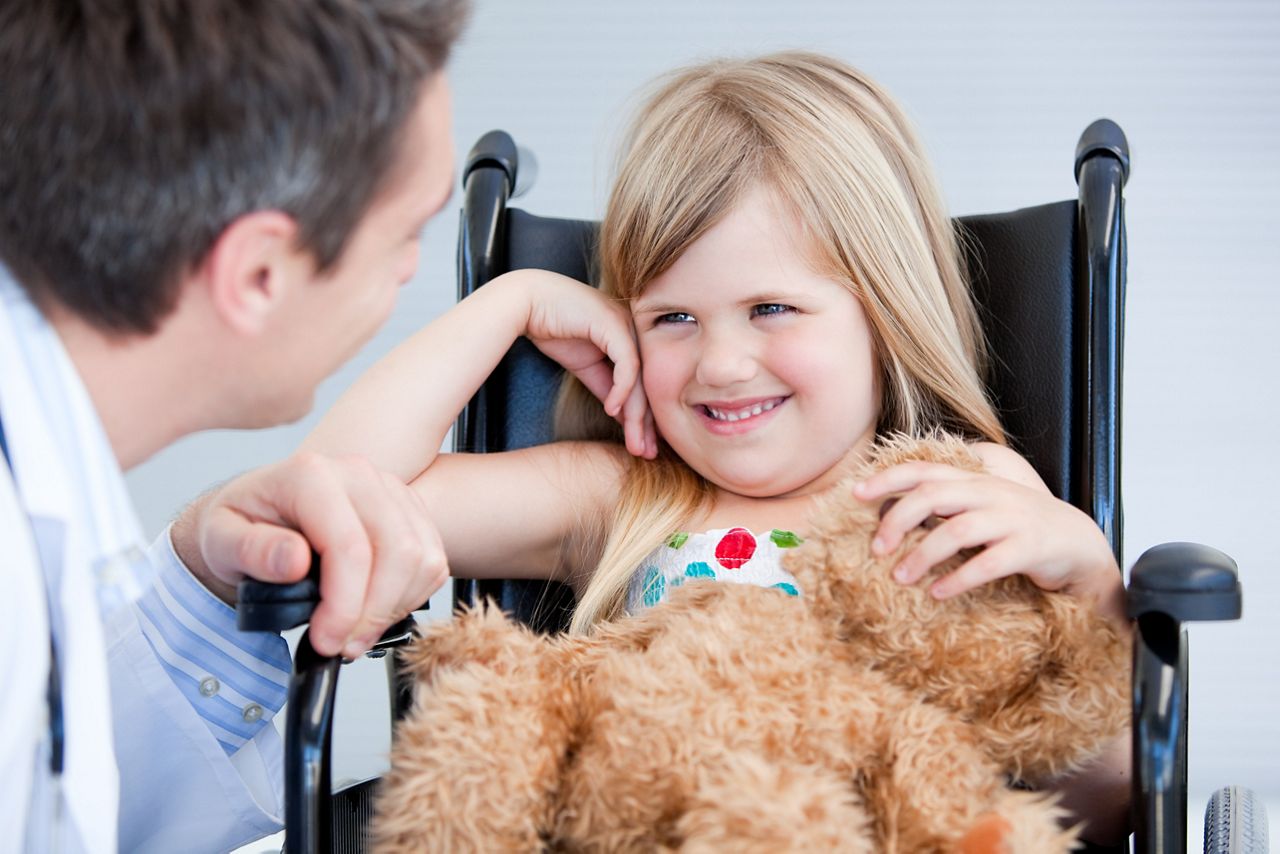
674,317
769,308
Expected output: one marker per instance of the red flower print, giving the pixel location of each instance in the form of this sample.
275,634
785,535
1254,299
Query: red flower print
735,548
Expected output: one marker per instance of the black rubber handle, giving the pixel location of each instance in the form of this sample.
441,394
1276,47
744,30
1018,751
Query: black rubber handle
1103,137
495,148
263,607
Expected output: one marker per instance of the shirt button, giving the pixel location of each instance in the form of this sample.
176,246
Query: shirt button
252,713
209,686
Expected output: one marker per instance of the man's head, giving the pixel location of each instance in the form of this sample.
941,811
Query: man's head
135,133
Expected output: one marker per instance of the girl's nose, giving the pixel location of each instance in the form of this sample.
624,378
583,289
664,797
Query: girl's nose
725,360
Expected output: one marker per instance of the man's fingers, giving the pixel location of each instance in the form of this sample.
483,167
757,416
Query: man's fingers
408,560
326,514
235,547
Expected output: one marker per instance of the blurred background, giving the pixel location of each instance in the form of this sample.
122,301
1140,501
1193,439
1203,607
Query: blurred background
1000,91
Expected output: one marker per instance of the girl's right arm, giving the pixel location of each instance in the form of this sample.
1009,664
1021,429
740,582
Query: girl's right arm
398,413
508,514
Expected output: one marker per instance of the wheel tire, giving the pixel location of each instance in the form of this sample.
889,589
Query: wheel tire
1235,822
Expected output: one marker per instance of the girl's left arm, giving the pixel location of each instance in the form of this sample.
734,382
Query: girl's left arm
1021,528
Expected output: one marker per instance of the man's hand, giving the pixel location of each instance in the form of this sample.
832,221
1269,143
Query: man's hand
380,555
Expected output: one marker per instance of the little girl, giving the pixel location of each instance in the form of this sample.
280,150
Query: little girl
776,256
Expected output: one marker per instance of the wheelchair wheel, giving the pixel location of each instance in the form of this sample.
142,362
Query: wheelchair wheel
352,809
1235,822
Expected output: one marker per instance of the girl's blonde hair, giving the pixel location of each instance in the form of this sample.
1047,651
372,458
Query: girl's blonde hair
835,148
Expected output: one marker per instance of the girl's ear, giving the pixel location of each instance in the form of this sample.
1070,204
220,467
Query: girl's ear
252,268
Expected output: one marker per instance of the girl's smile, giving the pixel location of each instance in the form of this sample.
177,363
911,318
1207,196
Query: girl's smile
730,418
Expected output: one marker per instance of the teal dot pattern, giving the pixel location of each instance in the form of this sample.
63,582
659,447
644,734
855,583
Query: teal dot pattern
733,555
699,569
655,587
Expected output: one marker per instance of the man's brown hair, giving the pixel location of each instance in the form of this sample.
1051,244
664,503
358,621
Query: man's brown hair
133,132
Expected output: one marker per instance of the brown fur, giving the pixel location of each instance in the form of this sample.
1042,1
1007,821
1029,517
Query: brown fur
863,716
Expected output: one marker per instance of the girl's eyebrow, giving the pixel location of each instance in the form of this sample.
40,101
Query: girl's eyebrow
640,307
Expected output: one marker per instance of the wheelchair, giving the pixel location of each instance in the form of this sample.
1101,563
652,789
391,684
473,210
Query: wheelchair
1049,282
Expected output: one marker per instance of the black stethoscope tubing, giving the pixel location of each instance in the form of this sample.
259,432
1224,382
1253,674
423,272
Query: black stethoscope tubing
53,692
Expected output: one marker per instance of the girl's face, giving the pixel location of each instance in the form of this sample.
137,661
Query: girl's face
759,371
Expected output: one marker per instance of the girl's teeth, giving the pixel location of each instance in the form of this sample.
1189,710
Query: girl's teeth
740,414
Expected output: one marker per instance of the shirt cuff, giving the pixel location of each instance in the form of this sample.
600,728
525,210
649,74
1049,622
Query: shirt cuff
236,681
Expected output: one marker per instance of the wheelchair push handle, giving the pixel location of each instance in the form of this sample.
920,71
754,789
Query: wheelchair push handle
497,150
1103,137
265,607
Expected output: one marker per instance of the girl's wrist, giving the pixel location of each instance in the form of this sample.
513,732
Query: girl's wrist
511,296
1104,587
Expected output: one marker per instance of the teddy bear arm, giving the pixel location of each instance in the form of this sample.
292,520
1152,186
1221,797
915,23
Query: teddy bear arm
478,763
934,789
1075,705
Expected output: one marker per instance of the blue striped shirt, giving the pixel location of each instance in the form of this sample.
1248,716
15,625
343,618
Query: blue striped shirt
245,675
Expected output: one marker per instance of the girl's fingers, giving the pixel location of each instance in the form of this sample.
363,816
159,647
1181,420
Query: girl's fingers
991,563
635,421
619,344
905,476
599,380
933,498
966,531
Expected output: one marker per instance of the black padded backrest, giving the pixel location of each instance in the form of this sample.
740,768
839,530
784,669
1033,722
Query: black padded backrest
1021,267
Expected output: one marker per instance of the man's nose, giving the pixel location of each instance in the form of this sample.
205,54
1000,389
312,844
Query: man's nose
726,359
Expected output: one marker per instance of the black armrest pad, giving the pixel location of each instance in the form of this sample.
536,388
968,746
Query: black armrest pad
1185,581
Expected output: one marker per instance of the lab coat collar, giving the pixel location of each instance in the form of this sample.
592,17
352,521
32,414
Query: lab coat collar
66,467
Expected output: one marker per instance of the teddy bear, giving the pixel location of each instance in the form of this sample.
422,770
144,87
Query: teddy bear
862,715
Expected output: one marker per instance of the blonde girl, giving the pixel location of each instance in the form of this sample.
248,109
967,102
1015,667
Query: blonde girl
776,255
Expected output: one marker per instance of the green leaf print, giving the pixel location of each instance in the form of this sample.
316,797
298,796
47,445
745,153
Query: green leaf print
784,539
676,540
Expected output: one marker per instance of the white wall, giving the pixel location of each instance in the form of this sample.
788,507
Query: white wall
1000,91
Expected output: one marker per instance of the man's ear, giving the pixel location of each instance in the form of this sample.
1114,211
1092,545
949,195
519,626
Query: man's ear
253,266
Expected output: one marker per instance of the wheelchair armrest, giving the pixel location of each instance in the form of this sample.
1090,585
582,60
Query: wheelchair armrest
1185,581
1169,585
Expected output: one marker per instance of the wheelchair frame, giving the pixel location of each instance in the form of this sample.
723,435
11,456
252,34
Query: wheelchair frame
1169,584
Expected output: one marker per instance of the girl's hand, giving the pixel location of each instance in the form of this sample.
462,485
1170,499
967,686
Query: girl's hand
1019,525
593,338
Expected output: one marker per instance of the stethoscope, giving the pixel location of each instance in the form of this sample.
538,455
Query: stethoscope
53,693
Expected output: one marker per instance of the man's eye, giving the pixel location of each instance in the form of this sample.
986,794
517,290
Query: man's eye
771,308
674,317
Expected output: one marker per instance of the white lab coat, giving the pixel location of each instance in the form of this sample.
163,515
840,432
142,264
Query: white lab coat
142,771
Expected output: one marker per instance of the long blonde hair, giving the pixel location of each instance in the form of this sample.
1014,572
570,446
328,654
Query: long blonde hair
840,152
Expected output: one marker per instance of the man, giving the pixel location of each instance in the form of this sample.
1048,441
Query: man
205,207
